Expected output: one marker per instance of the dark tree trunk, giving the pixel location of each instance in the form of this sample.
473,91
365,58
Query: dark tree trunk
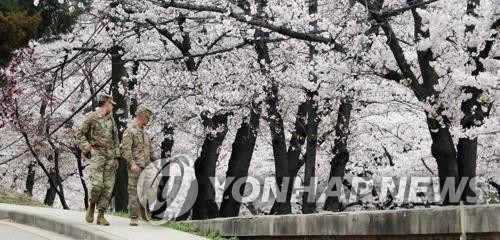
239,162
466,157
166,151
309,202
50,195
30,178
92,92
78,155
62,198
467,147
168,140
474,114
297,140
341,154
118,72
166,148
443,150
134,103
275,120
473,110
309,198
205,166
451,163
58,178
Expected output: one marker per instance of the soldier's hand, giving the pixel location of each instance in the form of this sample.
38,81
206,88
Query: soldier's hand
135,168
117,163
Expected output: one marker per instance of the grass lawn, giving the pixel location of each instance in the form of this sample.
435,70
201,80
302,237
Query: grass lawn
184,228
12,197
194,230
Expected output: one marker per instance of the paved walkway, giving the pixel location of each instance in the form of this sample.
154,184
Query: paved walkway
72,224
12,230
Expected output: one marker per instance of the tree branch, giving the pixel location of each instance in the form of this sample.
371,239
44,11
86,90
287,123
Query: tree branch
395,48
210,47
14,157
80,108
395,12
214,52
426,166
165,33
37,158
256,22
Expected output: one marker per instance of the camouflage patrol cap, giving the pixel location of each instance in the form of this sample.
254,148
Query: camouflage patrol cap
144,110
106,97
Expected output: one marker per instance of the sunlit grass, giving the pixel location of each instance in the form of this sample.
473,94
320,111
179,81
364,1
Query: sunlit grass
184,227
10,196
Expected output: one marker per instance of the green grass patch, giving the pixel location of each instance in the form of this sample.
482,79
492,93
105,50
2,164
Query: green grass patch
184,227
10,196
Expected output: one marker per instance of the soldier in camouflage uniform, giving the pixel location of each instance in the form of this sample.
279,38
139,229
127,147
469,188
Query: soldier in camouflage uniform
98,140
137,150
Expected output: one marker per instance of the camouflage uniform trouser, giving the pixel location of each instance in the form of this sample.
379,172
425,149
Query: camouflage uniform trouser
136,203
102,177
135,208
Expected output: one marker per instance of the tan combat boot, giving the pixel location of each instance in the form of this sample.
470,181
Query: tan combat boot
101,220
134,221
90,213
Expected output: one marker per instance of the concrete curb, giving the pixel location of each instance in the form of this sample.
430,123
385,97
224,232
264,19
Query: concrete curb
72,224
481,219
55,225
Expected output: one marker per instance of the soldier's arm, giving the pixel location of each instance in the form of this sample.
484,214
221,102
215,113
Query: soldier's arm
152,154
82,135
116,140
127,141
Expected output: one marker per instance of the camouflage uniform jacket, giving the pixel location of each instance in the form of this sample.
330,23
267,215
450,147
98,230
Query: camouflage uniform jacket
137,147
99,133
